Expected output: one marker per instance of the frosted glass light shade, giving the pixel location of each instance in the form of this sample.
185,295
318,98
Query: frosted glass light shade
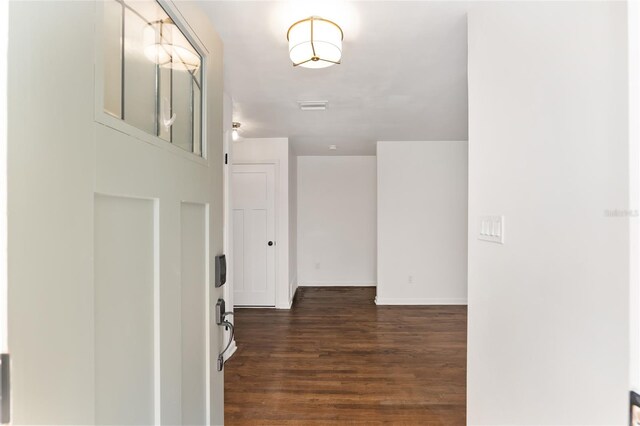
315,43
167,46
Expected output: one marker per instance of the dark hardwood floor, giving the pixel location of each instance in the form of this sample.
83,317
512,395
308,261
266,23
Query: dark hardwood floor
337,358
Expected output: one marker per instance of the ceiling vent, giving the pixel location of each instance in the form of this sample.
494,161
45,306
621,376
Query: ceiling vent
313,105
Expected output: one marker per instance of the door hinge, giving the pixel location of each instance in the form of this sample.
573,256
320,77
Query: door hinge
226,158
5,388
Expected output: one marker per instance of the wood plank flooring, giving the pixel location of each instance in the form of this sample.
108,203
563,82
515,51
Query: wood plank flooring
337,358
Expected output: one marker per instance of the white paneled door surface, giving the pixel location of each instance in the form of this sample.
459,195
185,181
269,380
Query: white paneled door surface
253,218
115,218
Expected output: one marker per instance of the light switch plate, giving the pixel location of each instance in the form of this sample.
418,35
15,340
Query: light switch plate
491,229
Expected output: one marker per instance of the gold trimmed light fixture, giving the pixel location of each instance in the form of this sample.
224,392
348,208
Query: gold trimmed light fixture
167,46
315,43
235,126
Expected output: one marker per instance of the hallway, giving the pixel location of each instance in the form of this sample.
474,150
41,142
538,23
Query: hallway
337,357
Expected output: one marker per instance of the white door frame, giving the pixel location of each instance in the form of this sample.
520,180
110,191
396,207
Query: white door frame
229,224
4,46
633,9
227,227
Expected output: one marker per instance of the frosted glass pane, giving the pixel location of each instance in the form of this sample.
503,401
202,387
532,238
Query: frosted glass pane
197,120
181,131
166,107
113,58
139,77
152,73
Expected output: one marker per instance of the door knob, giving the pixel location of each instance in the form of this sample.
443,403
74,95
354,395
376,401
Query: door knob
270,243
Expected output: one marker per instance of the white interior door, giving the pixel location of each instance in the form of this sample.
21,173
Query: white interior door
114,222
253,193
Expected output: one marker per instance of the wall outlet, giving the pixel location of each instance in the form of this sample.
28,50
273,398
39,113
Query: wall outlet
410,279
317,265
492,229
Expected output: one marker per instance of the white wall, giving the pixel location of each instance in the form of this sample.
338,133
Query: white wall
548,310
422,222
337,220
273,150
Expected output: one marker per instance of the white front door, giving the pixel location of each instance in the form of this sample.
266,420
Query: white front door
114,221
253,218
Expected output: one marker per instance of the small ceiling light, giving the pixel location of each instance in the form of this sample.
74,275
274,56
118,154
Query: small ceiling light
234,132
165,45
315,43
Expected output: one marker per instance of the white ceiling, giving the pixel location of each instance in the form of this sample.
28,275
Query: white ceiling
403,74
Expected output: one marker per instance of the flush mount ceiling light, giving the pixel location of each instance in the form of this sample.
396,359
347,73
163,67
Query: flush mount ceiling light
167,46
315,43
234,132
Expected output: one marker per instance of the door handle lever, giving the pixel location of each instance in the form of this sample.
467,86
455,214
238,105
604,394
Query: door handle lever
222,321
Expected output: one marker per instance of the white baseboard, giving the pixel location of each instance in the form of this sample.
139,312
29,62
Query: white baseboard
420,301
256,307
337,284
